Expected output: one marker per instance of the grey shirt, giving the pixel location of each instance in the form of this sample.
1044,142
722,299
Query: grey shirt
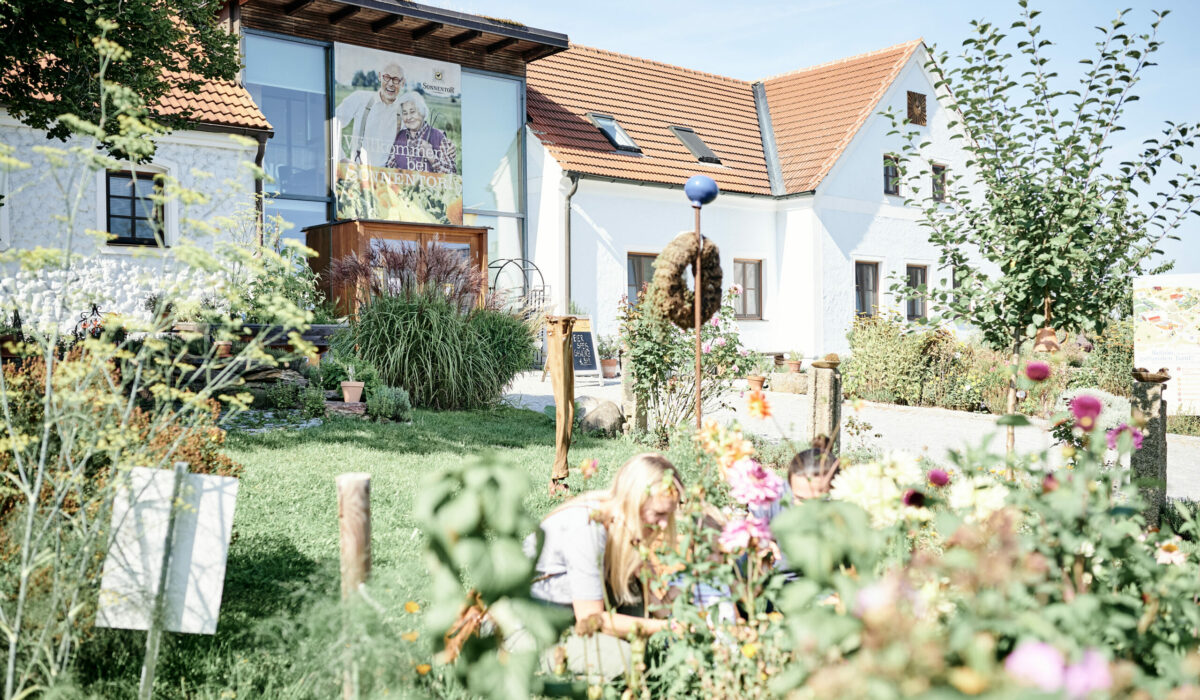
571,565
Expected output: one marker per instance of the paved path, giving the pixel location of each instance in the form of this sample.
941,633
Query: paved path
929,431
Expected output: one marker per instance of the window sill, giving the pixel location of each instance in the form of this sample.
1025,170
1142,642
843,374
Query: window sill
748,318
134,250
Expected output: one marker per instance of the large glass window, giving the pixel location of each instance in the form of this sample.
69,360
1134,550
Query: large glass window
295,214
492,118
917,278
287,80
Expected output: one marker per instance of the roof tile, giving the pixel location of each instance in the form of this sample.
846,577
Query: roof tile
217,102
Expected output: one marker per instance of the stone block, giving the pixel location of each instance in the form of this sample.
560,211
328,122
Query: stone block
788,382
354,409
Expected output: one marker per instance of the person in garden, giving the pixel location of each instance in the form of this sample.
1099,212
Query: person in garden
590,554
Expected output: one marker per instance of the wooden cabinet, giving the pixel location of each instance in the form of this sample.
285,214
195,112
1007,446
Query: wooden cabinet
336,240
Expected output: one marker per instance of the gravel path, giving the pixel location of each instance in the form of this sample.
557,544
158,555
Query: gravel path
929,431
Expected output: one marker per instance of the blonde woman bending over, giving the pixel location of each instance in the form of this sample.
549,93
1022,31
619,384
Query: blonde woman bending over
590,552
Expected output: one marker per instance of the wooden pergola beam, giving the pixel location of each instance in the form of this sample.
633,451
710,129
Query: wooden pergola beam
425,30
500,45
344,13
466,36
297,5
384,22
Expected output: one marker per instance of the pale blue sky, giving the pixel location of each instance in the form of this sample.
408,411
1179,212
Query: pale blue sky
761,38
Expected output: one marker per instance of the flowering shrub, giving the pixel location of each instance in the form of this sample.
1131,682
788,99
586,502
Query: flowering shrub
662,361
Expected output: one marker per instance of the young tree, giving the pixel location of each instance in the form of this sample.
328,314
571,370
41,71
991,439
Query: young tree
1056,225
49,57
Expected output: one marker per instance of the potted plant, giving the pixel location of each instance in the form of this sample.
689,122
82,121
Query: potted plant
224,348
609,350
351,390
760,365
831,361
795,362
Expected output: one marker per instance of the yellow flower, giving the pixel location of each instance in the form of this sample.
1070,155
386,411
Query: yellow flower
412,607
775,616
757,405
410,636
1068,451
749,650
967,680
422,669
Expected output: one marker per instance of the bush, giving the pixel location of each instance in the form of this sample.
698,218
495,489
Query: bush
1109,363
441,355
389,403
283,395
1184,425
312,401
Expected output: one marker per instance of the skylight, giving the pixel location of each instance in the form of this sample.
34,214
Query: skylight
614,133
694,144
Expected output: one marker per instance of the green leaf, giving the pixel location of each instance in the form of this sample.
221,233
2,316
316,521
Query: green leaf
1013,419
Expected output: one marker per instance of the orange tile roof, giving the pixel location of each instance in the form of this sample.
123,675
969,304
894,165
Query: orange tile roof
217,102
816,111
645,97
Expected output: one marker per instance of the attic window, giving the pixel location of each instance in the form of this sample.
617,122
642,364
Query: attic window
916,108
614,133
694,144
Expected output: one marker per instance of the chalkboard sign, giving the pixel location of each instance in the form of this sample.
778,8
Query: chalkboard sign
584,356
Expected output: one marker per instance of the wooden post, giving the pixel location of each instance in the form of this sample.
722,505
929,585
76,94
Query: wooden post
826,391
698,293
354,521
1149,464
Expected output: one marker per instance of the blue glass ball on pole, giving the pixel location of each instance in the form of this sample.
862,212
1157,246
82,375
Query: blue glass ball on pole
701,189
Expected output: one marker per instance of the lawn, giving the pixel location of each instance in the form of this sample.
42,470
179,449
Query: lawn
282,576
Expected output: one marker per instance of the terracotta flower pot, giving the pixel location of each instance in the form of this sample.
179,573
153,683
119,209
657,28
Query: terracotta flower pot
609,368
352,391
795,366
756,382
224,348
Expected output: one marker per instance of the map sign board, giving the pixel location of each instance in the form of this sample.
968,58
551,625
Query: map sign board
1166,333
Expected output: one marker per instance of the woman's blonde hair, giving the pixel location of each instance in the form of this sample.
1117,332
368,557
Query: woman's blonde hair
642,477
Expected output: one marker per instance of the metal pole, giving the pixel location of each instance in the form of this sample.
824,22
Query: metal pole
154,634
697,295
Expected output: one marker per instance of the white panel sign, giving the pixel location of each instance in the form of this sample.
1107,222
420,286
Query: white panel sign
196,572
1166,333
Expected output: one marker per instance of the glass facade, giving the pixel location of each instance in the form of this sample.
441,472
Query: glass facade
493,120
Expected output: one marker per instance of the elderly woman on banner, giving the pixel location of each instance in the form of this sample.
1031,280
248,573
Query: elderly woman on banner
418,145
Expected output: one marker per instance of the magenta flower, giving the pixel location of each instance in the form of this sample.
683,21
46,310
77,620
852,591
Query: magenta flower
716,322
739,534
1037,664
1049,483
1115,435
939,477
1089,675
1086,409
735,289
706,348
720,342
1037,371
753,484
913,498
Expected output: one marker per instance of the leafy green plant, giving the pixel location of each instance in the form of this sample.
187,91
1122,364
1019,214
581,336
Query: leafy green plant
795,356
312,401
508,339
389,403
340,363
609,347
283,395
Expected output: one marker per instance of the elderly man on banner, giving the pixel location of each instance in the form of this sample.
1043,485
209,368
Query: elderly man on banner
374,118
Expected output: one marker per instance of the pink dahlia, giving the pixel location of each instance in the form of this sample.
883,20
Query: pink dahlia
738,534
1037,664
1115,435
753,484
1086,409
1089,675
1037,371
939,477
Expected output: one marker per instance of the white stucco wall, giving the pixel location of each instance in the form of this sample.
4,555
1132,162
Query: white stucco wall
859,223
118,278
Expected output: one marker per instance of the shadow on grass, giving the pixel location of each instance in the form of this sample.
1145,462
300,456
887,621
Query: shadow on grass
429,432
266,577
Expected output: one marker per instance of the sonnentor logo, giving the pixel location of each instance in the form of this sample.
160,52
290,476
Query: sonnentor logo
437,74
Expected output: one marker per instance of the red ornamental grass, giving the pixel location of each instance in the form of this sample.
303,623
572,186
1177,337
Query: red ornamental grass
1037,371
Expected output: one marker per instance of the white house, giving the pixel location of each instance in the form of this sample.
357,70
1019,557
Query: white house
811,220
120,271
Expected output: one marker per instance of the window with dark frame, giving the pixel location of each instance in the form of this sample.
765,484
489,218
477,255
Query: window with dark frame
748,275
939,183
917,278
614,133
891,175
695,144
640,272
133,217
866,288
916,108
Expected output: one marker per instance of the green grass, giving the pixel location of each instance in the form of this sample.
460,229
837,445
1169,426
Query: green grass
282,577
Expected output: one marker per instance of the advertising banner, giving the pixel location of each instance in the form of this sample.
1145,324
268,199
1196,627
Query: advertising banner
397,137
1166,333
